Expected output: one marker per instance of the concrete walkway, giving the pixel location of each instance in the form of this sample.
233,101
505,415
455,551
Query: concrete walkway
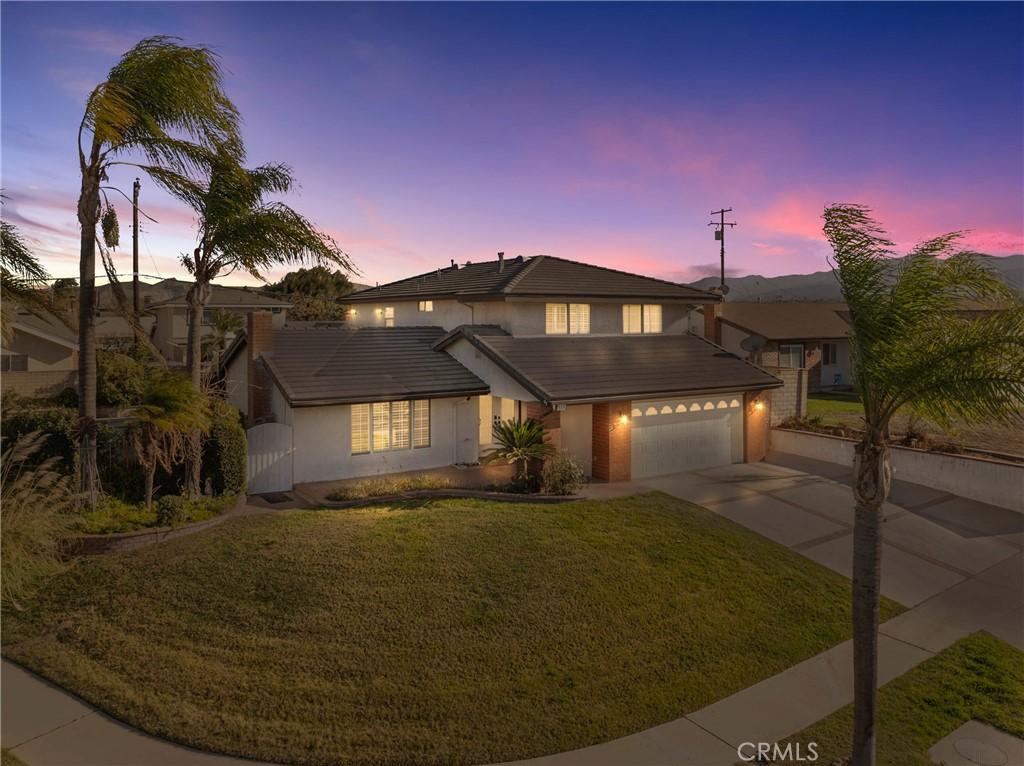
957,563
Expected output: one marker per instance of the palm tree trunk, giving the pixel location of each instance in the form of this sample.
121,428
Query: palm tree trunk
872,480
197,297
88,215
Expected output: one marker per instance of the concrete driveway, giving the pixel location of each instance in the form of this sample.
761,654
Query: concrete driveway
933,541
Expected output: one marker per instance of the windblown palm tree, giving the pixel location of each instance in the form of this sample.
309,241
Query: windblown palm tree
21,275
913,346
162,102
223,323
239,228
170,410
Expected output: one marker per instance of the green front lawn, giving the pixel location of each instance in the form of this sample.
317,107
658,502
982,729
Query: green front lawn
455,631
979,677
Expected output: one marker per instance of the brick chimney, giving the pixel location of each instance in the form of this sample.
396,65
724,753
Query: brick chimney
259,338
713,322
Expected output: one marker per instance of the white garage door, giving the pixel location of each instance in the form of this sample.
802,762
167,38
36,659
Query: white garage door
686,434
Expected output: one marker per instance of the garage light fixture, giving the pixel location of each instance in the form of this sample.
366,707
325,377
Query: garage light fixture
623,419
758,406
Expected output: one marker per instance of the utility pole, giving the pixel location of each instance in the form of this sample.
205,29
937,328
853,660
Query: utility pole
135,247
720,225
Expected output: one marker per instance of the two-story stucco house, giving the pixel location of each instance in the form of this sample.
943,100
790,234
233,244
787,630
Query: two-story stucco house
426,365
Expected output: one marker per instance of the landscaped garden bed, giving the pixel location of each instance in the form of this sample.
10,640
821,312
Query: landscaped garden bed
449,631
979,678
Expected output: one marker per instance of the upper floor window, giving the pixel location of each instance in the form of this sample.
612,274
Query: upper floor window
829,353
641,318
385,426
389,316
791,355
567,319
426,305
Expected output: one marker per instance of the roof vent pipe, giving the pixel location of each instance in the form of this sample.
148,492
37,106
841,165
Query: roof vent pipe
501,261
454,264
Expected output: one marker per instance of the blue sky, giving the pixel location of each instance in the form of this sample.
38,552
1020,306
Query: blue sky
600,132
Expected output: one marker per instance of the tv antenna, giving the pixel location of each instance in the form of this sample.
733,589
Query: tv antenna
720,225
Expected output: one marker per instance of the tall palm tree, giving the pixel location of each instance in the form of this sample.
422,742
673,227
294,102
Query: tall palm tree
162,102
239,228
912,346
171,409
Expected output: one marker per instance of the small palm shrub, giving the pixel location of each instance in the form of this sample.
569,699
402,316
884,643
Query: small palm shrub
562,475
519,442
36,504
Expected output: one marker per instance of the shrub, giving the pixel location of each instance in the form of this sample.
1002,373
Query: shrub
171,510
60,424
119,379
35,516
381,487
562,475
67,398
113,515
226,452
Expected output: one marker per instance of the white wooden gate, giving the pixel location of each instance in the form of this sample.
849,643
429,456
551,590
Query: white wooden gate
270,458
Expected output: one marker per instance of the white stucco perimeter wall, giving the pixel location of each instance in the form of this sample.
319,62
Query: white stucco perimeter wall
988,481
322,442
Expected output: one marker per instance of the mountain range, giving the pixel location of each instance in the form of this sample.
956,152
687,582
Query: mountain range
822,285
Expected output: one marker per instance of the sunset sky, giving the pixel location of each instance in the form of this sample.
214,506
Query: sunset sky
603,133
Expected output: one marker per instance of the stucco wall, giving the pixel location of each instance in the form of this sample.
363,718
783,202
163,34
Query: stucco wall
43,355
518,317
501,383
322,441
988,481
236,381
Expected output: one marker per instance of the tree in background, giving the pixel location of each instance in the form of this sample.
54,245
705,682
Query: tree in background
223,323
164,102
316,282
913,347
239,228
170,410
315,293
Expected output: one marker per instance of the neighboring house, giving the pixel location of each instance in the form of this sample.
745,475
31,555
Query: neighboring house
41,356
811,335
428,364
166,312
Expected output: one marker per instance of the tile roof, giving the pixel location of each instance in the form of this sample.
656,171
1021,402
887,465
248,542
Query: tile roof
44,324
788,320
339,365
539,276
171,292
566,369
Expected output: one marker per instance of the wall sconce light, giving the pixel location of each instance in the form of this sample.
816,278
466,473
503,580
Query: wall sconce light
623,419
351,312
758,406
378,311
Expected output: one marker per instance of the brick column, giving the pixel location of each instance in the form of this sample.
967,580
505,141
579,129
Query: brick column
259,338
611,441
756,419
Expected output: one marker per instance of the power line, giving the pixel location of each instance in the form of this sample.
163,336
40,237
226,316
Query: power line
720,236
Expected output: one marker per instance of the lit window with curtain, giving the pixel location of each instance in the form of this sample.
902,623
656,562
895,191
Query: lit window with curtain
579,318
426,305
389,316
632,318
652,317
556,319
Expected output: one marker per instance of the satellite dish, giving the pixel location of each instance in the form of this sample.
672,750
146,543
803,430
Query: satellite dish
753,343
